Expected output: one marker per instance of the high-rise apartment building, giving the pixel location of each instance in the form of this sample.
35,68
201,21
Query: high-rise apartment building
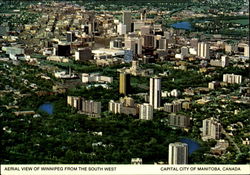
146,111
203,50
178,153
232,78
211,129
155,92
124,83
115,107
179,120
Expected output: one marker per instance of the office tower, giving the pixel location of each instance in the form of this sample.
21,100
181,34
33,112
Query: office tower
138,25
167,35
146,30
63,49
143,15
224,61
194,43
211,129
124,84
83,54
184,51
163,44
127,20
70,36
155,92
203,50
146,111
134,44
178,153
121,29
149,41
232,79
179,120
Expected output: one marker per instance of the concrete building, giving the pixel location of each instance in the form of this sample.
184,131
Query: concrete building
181,121
134,44
146,111
224,61
155,92
194,43
62,49
124,83
184,52
232,79
95,77
149,41
246,51
203,50
178,153
213,84
121,29
126,106
127,20
136,161
211,129
83,54
91,108
88,107
146,30
115,107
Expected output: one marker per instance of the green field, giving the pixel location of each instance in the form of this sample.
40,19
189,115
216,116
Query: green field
240,21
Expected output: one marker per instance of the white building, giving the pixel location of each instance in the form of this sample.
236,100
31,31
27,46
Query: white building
246,51
95,77
178,153
232,79
115,107
121,29
203,50
136,161
146,111
155,92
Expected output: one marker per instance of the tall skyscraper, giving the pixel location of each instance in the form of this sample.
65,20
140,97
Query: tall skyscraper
127,20
146,112
178,153
124,84
155,92
203,50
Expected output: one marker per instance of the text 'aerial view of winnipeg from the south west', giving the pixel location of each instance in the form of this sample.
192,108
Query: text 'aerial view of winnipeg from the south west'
124,82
